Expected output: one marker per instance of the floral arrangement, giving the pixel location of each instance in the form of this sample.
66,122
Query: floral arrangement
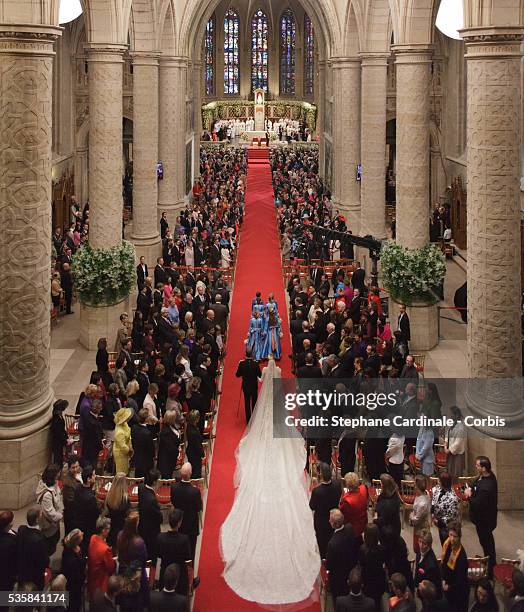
412,275
104,277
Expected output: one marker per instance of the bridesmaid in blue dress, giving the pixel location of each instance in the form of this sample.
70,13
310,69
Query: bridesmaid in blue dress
256,335
258,305
271,301
272,345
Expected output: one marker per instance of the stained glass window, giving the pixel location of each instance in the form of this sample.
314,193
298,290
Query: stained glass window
209,54
259,51
231,53
287,52
309,56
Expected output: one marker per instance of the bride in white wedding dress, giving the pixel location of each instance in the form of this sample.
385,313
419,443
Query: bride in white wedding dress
268,542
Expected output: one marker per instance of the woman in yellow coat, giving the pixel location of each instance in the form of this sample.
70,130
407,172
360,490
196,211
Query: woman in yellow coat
122,446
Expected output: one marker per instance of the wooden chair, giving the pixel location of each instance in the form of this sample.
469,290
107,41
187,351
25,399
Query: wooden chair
419,359
71,423
503,573
163,492
312,461
433,481
132,490
205,462
440,457
374,490
477,569
407,495
112,359
324,583
181,455
102,486
335,463
460,487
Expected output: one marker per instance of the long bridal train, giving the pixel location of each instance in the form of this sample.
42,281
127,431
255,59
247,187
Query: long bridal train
267,541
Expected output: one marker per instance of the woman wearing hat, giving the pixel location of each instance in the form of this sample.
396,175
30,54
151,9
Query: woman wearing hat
122,446
58,431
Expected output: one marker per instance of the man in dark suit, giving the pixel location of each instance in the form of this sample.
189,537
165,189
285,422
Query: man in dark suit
332,343
160,273
214,254
354,308
66,282
409,370
174,547
316,276
150,514
427,592
142,378
306,334
143,445
143,303
403,327
483,508
341,555
168,600
221,312
141,273
309,370
336,276
358,278
324,498
32,551
166,332
106,602
187,498
86,507
356,601
427,566
92,435
164,225
249,370
204,372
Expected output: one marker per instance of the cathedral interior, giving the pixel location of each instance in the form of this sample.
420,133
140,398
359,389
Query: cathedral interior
92,106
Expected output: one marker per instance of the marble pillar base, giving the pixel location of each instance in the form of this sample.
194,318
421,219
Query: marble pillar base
103,322
507,461
150,248
423,322
22,460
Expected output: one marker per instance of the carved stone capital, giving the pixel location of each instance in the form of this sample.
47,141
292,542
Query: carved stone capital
342,63
144,58
174,61
27,39
493,42
105,53
374,59
413,54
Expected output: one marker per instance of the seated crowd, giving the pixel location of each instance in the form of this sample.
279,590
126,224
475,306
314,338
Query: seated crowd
148,412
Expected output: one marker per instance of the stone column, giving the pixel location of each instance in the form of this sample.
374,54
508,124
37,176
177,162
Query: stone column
373,187
105,65
105,178
413,75
346,138
172,134
26,80
413,85
145,236
321,109
198,85
494,248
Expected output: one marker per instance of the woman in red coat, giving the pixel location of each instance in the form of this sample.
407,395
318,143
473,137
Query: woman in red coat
100,562
354,504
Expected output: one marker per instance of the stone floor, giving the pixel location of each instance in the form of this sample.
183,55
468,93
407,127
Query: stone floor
71,366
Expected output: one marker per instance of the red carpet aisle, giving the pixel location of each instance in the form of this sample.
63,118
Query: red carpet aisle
258,269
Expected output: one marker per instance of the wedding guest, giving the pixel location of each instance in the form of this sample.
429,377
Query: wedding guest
100,562
454,568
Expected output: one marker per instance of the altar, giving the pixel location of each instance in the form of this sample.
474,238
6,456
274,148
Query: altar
249,136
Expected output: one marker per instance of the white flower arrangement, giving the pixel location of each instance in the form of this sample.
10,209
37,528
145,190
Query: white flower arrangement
413,275
104,277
